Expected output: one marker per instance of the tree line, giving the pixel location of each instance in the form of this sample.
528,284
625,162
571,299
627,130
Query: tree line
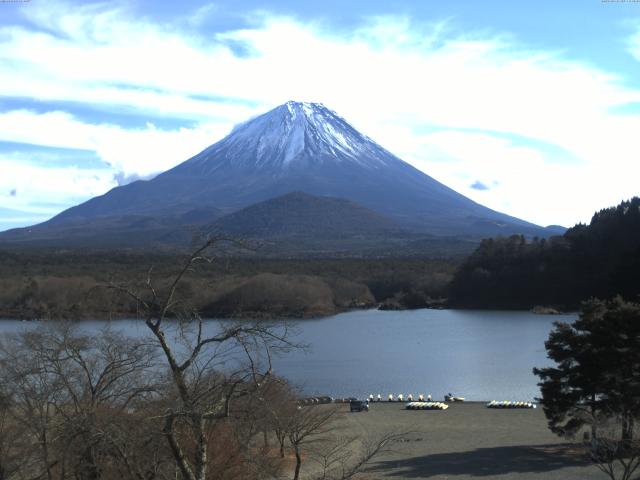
61,285
601,260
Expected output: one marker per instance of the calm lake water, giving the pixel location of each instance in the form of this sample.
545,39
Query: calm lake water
481,355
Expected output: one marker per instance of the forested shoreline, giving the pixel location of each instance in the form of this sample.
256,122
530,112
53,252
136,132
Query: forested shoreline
72,285
601,260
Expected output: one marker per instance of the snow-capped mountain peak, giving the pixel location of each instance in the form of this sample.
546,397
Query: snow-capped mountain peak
301,147
293,135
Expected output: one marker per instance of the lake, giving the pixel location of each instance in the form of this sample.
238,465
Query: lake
481,355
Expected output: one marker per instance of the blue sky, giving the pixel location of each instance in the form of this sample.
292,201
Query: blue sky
531,108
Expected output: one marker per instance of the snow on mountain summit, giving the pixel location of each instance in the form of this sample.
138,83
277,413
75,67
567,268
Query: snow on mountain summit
293,135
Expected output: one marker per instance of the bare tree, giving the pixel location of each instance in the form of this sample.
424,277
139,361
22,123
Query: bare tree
346,457
314,431
616,457
12,439
136,446
209,369
309,425
101,376
32,392
278,405
67,388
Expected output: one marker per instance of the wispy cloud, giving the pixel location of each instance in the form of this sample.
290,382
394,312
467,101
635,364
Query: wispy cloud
478,185
424,91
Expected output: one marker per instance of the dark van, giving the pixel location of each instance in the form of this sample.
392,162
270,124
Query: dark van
358,406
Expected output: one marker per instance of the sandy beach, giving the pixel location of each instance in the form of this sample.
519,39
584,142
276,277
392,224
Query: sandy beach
470,441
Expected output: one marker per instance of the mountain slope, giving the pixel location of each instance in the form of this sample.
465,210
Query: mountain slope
300,215
296,147
306,225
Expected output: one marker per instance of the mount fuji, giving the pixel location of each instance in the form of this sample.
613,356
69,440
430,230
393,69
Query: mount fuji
296,147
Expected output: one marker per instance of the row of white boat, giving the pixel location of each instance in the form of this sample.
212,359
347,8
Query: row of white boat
509,404
423,403
400,398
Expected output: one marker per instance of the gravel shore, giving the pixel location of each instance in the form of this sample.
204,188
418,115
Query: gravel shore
470,441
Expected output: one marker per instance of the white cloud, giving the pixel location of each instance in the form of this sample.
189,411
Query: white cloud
140,152
50,186
393,79
634,44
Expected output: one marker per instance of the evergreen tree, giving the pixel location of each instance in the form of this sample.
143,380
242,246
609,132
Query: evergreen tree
597,372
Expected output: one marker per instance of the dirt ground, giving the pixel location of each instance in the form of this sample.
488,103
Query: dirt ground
470,441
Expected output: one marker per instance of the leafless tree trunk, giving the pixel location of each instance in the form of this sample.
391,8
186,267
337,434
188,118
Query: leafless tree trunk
204,394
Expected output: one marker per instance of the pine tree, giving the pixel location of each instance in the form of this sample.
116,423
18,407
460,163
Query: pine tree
597,372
